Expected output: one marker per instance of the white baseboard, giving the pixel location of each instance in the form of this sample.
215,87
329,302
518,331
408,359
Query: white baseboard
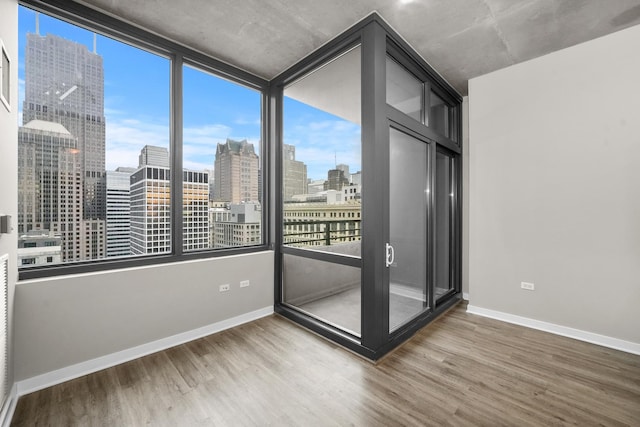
465,296
590,337
58,376
9,407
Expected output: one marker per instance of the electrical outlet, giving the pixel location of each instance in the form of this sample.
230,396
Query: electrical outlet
225,287
244,283
528,286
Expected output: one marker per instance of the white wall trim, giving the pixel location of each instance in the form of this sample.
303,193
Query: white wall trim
590,337
465,296
9,407
61,375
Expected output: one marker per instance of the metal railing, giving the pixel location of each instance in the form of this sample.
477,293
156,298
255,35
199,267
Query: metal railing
323,233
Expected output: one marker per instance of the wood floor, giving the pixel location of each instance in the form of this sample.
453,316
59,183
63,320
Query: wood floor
460,370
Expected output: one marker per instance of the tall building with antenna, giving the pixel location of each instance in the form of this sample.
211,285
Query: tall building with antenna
64,84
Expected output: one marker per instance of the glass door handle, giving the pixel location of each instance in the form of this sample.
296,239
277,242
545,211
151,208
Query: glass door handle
390,255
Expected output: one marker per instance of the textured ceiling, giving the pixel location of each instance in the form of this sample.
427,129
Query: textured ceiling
461,39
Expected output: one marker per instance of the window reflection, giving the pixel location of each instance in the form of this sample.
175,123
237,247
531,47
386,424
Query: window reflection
404,91
439,115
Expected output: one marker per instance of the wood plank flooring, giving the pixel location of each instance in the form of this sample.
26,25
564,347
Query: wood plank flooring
461,370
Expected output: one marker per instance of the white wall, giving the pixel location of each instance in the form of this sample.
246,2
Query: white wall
555,188
465,195
9,153
69,320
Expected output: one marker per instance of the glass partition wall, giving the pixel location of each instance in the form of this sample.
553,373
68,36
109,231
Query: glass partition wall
367,213
321,197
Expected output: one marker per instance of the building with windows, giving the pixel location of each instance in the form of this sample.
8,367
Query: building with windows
344,168
195,210
152,155
351,192
151,207
64,83
119,212
39,247
236,172
356,178
150,210
211,174
295,173
50,186
527,141
237,224
336,179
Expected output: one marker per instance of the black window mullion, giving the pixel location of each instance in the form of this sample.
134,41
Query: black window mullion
112,27
175,150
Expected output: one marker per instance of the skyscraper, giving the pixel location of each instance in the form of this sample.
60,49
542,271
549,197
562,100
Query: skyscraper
344,168
50,185
236,172
64,83
151,206
195,210
295,173
150,210
119,212
336,180
151,155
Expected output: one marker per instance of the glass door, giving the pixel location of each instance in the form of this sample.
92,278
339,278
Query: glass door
321,193
444,233
407,250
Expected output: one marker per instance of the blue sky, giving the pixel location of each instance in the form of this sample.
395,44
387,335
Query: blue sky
137,108
322,140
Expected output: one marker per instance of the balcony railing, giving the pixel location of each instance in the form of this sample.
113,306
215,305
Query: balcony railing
320,233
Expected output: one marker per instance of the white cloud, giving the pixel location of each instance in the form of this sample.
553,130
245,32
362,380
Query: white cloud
125,138
320,145
196,166
206,135
244,121
127,135
122,157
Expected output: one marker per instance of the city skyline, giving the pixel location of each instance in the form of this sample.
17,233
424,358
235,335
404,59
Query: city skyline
136,107
136,99
76,200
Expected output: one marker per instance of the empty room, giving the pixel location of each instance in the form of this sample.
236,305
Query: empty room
374,212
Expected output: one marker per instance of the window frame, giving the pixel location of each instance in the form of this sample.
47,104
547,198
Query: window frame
178,55
378,41
431,82
5,77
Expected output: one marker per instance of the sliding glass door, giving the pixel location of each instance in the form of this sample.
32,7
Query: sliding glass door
367,165
407,254
445,203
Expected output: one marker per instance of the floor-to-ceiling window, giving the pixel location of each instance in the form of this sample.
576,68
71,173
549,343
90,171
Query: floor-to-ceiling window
321,192
132,150
368,216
